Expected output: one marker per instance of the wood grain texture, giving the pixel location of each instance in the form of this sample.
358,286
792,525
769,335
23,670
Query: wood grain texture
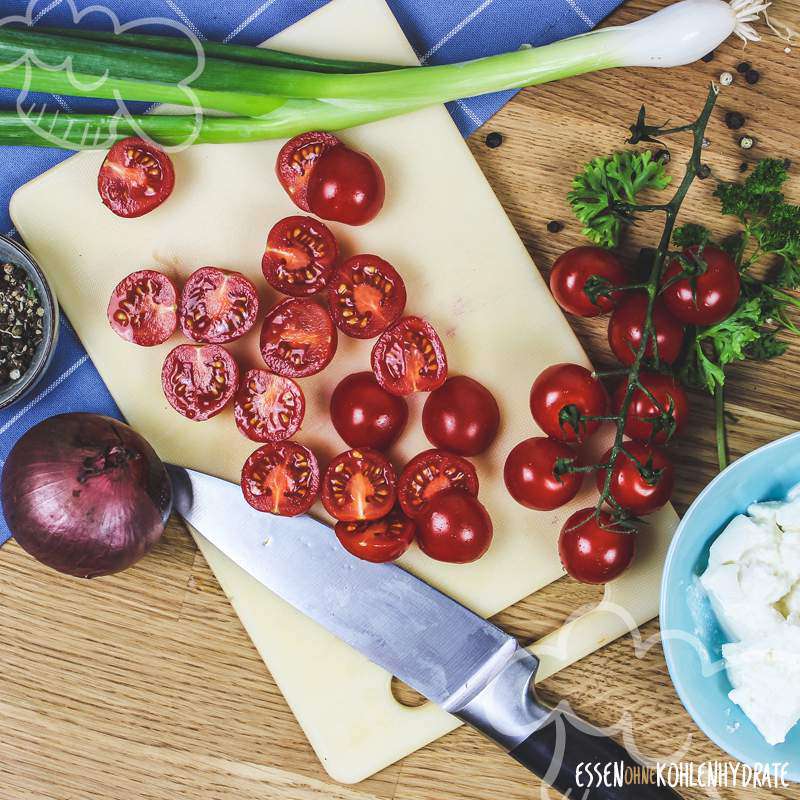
145,685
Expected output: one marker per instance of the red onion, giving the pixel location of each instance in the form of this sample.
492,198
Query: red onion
85,494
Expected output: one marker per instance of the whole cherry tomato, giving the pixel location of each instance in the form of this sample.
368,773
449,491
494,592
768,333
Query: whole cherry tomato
366,415
461,416
346,186
533,477
639,488
574,268
143,308
706,298
595,550
377,540
359,485
454,527
296,161
432,472
561,399
659,421
626,328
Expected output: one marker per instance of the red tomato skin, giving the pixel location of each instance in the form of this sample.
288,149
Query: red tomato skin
570,273
455,527
714,295
356,476
144,308
563,385
346,186
378,541
429,473
296,162
129,171
285,417
366,415
668,392
625,330
530,477
629,488
594,554
461,416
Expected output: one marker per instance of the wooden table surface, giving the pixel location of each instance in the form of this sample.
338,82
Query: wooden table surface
144,685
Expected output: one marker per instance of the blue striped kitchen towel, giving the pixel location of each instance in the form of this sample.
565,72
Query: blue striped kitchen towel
439,32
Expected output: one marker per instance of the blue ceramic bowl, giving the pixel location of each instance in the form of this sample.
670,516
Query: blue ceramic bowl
691,635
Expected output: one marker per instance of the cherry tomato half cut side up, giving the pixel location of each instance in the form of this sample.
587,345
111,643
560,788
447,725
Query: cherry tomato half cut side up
626,328
300,255
298,338
217,306
455,527
366,415
377,540
562,397
429,473
297,160
267,407
135,178
199,380
346,186
409,357
708,297
569,276
461,416
658,421
639,490
595,550
281,479
143,308
366,295
533,478
359,485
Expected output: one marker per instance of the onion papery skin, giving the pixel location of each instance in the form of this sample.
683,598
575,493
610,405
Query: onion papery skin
85,494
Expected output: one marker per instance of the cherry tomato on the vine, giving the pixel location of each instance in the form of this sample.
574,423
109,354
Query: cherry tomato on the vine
705,298
658,421
562,397
569,276
595,549
432,472
296,161
626,329
535,474
379,540
640,488
143,308
454,527
359,485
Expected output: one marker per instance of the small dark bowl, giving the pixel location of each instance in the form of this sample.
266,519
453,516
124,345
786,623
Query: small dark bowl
13,253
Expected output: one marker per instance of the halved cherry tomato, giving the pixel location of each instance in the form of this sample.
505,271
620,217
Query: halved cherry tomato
377,540
639,490
562,397
300,255
199,380
409,357
359,485
217,306
707,298
268,408
364,414
532,477
595,550
135,177
143,308
650,421
429,473
626,328
455,527
281,478
296,161
461,416
346,186
298,338
574,268
366,295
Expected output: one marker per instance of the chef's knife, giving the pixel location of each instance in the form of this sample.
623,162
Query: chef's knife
452,656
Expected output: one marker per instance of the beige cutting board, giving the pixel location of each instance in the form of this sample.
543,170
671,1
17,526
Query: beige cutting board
466,270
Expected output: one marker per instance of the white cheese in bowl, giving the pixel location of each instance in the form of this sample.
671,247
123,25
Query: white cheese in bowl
753,582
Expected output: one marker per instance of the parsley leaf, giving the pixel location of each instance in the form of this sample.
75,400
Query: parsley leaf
690,235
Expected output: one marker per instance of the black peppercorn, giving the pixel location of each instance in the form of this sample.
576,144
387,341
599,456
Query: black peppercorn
743,67
752,76
663,156
494,139
734,120
744,166
704,172
554,226
708,57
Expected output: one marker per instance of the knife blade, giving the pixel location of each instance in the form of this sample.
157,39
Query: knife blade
449,654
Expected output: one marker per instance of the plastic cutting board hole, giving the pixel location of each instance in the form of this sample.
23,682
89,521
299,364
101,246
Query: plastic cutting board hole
405,695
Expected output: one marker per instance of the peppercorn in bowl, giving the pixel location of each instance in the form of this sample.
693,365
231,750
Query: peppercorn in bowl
28,322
